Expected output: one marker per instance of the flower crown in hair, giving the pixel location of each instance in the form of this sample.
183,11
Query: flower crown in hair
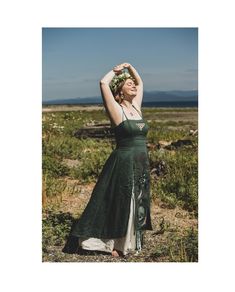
117,79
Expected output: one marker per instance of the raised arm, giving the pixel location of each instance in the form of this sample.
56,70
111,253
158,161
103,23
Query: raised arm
139,84
112,107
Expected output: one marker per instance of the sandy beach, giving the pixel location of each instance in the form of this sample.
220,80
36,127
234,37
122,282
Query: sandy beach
62,108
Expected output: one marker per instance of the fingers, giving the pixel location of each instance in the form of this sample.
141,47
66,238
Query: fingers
117,70
119,67
126,65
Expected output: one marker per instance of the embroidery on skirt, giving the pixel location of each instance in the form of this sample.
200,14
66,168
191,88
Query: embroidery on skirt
141,186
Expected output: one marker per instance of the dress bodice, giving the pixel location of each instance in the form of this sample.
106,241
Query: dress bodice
131,128
131,132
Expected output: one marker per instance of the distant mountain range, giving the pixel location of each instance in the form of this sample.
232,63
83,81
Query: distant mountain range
174,96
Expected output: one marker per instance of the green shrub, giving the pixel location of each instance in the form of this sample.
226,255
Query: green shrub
54,168
55,228
62,147
179,248
179,184
54,187
91,161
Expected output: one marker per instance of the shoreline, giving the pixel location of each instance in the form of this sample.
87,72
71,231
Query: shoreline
58,108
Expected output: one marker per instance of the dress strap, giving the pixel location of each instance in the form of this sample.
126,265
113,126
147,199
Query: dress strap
137,111
123,113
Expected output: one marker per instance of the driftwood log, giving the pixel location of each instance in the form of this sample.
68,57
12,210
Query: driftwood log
102,130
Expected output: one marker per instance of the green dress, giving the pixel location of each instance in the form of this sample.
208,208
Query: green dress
126,173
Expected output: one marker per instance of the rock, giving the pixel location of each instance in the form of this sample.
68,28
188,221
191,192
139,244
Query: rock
179,143
151,145
169,145
159,168
162,144
193,132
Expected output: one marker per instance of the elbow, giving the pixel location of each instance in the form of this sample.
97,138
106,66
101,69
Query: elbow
102,82
140,82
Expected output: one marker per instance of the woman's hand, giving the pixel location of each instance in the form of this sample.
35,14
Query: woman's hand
126,65
118,69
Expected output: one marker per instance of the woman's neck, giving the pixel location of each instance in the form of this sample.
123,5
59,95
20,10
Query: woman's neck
127,103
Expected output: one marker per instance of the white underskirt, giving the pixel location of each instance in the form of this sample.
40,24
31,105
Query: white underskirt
124,244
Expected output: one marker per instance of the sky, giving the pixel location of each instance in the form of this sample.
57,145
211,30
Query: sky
74,60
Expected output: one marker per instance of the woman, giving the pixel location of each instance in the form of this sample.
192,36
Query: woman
118,211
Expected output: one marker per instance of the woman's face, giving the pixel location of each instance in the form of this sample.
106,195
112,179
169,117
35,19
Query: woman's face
129,88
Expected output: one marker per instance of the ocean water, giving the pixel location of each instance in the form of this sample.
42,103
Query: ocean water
144,104
171,104
162,104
